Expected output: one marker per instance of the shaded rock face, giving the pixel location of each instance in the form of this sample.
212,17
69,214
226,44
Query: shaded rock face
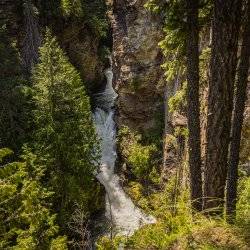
136,63
82,49
26,22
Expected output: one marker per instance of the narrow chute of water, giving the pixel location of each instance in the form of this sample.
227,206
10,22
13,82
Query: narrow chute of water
120,210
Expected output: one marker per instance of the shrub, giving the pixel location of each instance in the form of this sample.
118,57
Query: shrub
139,157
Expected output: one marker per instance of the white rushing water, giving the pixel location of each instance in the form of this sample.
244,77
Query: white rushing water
124,215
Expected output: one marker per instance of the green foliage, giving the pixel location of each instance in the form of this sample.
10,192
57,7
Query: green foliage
37,194
135,191
140,158
72,7
14,112
64,132
4,152
10,62
41,224
59,243
92,12
14,107
204,60
173,44
26,218
178,228
9,204
243,204
202,234
178,101
49,11
105,243
62,114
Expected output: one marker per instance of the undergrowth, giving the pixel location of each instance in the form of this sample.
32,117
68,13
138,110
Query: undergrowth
178,228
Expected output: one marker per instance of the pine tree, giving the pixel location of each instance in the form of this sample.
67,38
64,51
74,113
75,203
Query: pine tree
10,202
225,31
26,218
64,132
193,103
238,117
14,95
39,228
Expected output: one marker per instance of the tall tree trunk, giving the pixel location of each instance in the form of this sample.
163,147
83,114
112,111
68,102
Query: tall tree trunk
225,32
32,39
193,103
238,116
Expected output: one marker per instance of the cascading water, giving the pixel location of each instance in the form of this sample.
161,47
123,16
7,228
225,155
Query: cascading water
124,215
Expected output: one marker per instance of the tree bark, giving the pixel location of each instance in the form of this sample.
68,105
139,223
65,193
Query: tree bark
193,103
238,117
225,32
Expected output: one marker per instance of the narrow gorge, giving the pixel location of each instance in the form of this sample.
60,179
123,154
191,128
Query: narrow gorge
124,216
124,124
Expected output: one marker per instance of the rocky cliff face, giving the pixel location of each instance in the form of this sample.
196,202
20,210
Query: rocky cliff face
137,59
82,49
26,22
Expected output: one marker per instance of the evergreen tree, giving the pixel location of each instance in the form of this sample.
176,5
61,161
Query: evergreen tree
14,95
193,103
26,218
238,116
64,132
92,13
10,180
225,31
39,229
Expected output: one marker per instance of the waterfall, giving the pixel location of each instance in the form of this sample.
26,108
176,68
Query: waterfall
124,215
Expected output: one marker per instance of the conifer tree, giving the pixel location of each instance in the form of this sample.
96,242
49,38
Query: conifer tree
64,132
225,31
10,202
27,221
193,103
14,95
238,117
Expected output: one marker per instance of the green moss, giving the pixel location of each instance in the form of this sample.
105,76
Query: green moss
178,101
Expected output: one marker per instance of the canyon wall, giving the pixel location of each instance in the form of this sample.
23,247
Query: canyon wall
138,77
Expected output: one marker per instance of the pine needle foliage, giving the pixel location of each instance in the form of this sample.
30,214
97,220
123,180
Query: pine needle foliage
27,221
93,13
64,132
14,95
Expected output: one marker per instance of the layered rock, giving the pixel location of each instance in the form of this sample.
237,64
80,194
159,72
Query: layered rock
137,59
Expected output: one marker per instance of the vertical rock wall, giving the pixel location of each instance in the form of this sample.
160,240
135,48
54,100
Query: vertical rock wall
81,47
137,58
